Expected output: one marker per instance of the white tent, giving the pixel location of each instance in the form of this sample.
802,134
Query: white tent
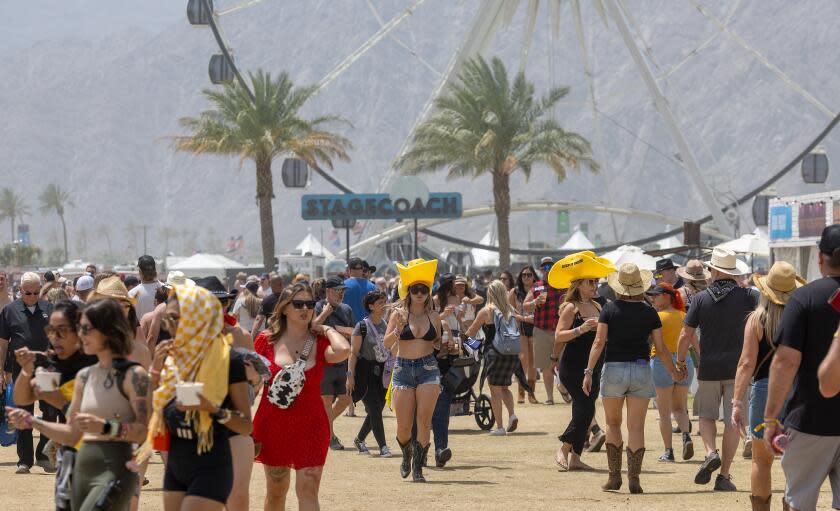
206,265
753,244
631,254
311,245
578,241
486,257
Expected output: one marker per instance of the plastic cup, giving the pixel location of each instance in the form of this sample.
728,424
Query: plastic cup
47,381
187,393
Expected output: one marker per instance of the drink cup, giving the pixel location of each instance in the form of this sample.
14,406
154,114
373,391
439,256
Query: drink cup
47,381
780,443
187,393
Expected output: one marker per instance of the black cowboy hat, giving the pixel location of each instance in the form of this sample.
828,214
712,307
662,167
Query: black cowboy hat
665,264
216,288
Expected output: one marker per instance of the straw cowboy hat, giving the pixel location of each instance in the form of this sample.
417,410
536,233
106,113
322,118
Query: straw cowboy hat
724,261
578,266
111,287
177,278
418,271
629,280
779,283
694,270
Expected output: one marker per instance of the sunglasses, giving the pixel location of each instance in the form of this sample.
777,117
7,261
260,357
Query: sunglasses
303,304
419,289
58,332
85,329
30,293
591,282
527,275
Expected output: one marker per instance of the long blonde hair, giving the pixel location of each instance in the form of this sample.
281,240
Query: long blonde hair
251,302
497,298
766,318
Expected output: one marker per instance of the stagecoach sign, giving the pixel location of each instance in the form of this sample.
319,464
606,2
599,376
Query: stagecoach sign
380,206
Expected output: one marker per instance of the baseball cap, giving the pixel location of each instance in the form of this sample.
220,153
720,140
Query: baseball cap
252,287
546,260
656,290
85,283
356,263
334,282
830,240
146,262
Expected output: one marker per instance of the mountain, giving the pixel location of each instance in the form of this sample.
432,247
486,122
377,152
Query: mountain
92,111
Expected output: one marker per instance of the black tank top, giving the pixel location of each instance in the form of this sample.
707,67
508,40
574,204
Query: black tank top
576,354
764,350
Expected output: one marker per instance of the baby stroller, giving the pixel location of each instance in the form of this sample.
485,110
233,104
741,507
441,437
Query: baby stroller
462,375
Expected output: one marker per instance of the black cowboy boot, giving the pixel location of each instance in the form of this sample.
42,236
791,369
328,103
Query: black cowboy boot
405,466
419,458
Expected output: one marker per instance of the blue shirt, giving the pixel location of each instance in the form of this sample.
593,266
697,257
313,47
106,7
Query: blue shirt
354,296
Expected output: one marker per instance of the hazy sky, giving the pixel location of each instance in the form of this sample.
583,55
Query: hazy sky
25,22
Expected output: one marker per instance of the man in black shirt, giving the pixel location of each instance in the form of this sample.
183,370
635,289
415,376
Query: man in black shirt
332,312
803,339
721,313
22,325
268,304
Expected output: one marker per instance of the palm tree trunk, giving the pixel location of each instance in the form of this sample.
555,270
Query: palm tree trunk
13,228
64,231
265,192
501,203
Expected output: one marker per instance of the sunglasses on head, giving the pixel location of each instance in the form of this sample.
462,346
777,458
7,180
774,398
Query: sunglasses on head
303,304
419,289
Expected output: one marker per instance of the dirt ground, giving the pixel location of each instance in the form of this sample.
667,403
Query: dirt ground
515,472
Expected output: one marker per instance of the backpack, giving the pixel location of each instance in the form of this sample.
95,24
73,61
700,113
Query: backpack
507,337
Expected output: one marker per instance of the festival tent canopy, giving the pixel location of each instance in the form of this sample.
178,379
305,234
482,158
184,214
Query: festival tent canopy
631,254
486,257
206,265
578,241
311,245
754,244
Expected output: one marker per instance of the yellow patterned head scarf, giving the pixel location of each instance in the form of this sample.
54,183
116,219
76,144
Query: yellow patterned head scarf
201,353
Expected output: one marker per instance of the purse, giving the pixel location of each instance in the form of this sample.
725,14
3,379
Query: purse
288,383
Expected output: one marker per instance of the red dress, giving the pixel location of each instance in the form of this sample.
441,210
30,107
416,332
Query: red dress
299,436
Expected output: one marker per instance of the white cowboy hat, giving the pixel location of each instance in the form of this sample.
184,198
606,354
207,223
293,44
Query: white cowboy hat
724,261
177,278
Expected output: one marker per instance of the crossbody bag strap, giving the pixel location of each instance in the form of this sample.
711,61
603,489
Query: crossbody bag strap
763,361
307,348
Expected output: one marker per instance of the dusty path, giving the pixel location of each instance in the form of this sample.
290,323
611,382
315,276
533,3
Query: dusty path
516,472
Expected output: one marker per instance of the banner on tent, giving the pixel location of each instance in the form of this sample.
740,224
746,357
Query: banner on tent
781,222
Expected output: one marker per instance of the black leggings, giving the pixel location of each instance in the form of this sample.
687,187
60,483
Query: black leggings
583,406
374,400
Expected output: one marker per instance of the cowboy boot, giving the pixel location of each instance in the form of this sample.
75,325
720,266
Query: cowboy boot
614,462
420,453
634,468
405,466
761,503
531,397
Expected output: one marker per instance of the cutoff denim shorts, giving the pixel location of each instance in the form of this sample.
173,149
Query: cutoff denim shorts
758,400
661,376
621,379
410,373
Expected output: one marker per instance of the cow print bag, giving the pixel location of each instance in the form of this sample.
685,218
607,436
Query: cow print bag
288,383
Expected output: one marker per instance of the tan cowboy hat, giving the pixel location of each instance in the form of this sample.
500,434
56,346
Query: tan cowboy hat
724,261
111,287
694,270
629,280
779,283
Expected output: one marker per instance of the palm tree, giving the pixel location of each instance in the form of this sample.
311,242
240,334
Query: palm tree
261,130
56,199
12,207
486,124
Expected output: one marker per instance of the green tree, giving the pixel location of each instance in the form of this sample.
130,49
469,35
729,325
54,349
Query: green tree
18,254
269,127
486,124
12,208
55,199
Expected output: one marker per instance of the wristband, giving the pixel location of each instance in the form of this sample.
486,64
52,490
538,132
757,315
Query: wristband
115,428
28,420
587,371
577,331
554,358
153,372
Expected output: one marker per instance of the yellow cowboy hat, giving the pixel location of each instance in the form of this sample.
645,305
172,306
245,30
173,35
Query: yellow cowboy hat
418,271
578,266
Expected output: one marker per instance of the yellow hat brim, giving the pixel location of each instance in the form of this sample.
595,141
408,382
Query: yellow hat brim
418,271
578,266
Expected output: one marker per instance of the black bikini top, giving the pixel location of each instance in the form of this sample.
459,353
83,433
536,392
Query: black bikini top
408,335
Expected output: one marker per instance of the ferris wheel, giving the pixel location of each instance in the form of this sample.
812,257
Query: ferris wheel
493,16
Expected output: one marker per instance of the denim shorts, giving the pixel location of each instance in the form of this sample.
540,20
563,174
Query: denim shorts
758,399
410,373
620,379
661,376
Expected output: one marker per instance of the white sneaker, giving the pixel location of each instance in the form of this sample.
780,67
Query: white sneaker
498,432
512,425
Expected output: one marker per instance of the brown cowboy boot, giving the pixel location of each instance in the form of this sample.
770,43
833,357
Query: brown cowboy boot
614,462
634,468
761,503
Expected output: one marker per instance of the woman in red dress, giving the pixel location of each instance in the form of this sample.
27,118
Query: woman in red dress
295,438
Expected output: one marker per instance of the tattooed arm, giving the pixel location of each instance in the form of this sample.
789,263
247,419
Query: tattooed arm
136,387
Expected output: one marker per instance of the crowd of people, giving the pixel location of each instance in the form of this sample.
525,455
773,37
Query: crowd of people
212,378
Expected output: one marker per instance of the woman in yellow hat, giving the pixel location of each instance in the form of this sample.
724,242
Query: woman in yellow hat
754,365
415,327
573,338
